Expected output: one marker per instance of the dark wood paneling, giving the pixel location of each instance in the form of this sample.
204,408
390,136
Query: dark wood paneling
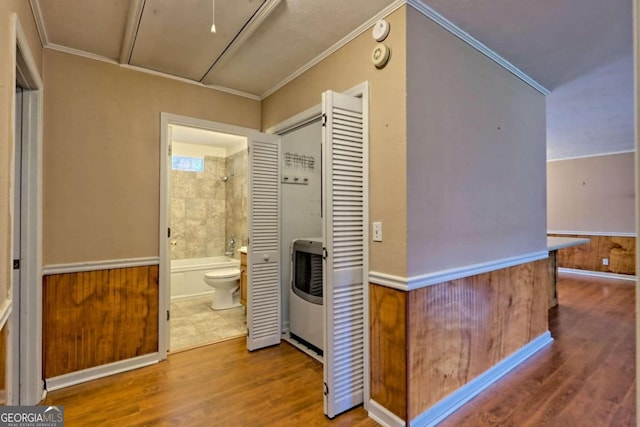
620,251
98,317
460,329
553,278
586,378
388,342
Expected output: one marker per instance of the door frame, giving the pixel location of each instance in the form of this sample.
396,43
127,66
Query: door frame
24,301
359,91
164,274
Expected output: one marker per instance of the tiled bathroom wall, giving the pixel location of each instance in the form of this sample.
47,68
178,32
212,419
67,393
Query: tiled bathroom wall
197,212
237,193
205,212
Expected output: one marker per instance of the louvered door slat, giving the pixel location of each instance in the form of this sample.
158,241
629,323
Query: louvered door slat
263,302
344,240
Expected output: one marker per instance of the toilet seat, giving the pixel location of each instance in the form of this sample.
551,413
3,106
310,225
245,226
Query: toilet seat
223,273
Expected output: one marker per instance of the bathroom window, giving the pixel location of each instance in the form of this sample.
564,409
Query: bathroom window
189,164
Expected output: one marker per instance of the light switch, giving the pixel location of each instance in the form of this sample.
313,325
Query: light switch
377,232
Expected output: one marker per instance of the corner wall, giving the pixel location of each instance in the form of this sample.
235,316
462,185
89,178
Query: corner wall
476,152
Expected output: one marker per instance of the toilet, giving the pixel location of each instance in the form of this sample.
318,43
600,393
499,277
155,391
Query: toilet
226,282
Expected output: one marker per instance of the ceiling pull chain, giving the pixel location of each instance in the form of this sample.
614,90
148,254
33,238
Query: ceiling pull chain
213,16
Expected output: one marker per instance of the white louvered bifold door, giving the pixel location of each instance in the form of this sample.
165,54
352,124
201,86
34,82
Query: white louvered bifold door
344,232
263,263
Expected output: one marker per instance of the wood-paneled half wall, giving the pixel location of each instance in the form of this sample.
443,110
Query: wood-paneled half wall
98,317
427,343
620,251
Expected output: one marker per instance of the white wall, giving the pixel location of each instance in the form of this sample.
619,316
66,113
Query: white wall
592,194
301,208
476,156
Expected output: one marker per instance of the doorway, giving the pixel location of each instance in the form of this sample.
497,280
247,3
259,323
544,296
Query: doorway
23,313
208,183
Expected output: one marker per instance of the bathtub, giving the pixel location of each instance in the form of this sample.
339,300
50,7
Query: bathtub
187,275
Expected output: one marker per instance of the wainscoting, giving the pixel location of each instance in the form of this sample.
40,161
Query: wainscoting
92,318
620,251
452,332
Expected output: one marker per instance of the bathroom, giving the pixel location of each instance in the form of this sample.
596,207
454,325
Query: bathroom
208,183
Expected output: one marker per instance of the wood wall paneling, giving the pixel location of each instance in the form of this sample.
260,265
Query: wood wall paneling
459,329
388,342
620,251
98,317
553,278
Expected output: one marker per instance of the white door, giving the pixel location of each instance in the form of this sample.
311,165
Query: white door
263,256
345,213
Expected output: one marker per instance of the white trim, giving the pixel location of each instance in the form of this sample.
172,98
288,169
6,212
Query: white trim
602,274
473,42
25,342
594,233
37,15
588,156
383,416
416,282
164,297
5,312
102,371
128,40
99,265
296,121
341,43
458,398
101,58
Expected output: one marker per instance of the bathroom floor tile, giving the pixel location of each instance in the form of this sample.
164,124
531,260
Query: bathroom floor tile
194,322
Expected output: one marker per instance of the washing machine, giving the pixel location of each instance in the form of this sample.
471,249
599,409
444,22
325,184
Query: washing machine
306,308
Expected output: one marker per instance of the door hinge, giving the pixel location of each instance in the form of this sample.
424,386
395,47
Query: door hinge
169,149
16,264
324,120
325,254
168,315
169,232
326,389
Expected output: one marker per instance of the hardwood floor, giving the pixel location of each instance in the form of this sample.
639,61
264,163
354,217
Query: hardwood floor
216,385
585,378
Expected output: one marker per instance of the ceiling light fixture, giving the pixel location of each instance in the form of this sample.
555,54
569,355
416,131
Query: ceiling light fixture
213,16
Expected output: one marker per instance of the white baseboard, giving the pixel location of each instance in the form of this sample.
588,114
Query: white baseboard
598,274
90,374
383,416
455,400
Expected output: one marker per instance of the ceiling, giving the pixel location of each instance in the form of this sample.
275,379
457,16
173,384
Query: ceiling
580,50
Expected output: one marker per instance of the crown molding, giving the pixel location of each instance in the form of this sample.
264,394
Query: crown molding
588,156
101,58
476,44
37,15
342,42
